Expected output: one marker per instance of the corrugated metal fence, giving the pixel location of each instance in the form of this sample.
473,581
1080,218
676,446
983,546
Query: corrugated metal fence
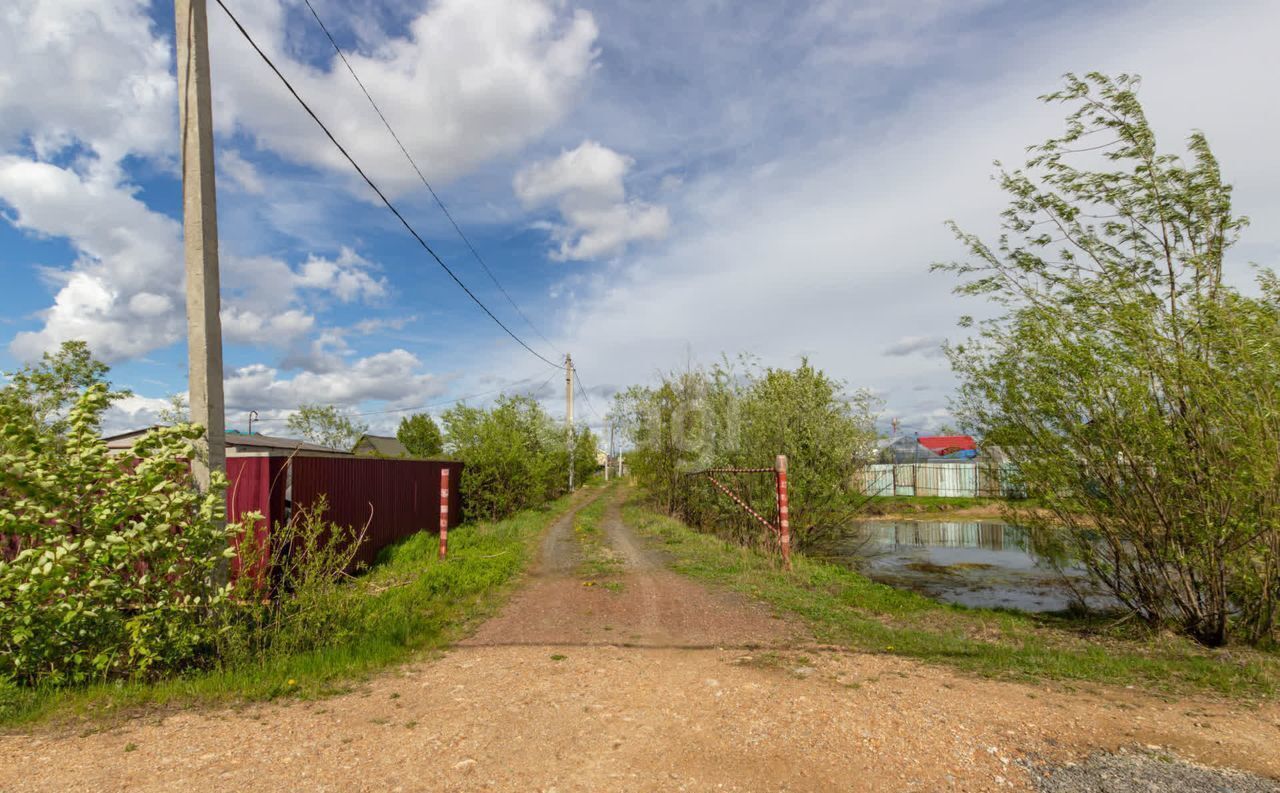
948,480
395,497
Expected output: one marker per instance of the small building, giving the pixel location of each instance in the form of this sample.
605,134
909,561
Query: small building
380,446
926,449
938,465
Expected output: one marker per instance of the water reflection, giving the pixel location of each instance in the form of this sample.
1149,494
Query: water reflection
987,535
974,563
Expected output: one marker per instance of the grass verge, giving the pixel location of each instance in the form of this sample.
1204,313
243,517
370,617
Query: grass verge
845,608
406,603
599,565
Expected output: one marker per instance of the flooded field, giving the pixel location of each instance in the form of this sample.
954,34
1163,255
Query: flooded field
983,563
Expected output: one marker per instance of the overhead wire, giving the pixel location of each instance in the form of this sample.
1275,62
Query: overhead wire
439,202
376,189
585,396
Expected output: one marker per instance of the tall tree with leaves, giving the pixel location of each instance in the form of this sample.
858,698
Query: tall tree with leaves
327,426
177,411
45,391
1138,392
420,435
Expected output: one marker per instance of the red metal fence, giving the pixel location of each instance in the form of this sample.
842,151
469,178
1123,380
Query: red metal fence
395,497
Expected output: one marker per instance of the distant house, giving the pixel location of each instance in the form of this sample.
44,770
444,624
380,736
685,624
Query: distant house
961,447
927,449
240,444
379,446
938,465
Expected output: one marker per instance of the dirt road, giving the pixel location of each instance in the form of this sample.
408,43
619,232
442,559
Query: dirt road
653,683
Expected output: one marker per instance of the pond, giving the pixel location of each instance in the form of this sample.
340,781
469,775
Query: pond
981,563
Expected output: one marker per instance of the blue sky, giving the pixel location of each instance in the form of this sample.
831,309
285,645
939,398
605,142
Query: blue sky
652,184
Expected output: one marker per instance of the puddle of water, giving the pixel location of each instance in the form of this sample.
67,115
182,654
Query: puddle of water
973,563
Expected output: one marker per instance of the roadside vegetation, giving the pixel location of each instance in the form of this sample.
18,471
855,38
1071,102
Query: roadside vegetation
420,435
600,565
845,608
742,415
1136,388
514,456
326,425
406,603
121,586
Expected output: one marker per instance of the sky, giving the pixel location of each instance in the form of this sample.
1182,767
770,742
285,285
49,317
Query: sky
650,186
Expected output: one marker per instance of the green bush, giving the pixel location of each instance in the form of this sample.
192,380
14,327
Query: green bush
719,417
289,595
115,576
514,456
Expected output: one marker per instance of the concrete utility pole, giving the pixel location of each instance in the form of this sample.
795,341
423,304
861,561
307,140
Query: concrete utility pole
200,237
568,411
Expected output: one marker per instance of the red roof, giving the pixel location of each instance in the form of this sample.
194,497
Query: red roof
948,444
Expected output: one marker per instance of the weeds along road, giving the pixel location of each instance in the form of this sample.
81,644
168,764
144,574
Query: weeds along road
608,672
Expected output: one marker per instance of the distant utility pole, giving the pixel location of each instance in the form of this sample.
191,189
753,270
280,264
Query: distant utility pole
568,411
200,237
608,455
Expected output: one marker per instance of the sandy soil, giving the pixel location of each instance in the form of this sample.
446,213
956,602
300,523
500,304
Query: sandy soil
659,684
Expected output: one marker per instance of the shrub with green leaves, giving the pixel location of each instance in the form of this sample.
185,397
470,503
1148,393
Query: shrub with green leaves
727,417
289,595
515,456
115,576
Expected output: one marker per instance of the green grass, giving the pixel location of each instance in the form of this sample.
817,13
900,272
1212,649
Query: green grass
845,608
599,563
408,602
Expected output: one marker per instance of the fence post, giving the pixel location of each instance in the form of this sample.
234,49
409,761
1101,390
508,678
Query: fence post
444,511
784,518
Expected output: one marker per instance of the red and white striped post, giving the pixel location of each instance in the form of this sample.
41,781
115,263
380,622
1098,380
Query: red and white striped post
444,511
784,517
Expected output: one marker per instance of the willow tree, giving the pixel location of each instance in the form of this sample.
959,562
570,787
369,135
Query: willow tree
1138,391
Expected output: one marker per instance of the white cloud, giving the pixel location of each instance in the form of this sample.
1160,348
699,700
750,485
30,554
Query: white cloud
93,72
85,85
249,327
347,276
131,413
393,376
240,171
929,346
589,172
586,185
826,248
469,81
124,293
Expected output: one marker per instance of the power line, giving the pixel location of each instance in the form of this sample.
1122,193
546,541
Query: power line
417,170
375,187
585,397
433,405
